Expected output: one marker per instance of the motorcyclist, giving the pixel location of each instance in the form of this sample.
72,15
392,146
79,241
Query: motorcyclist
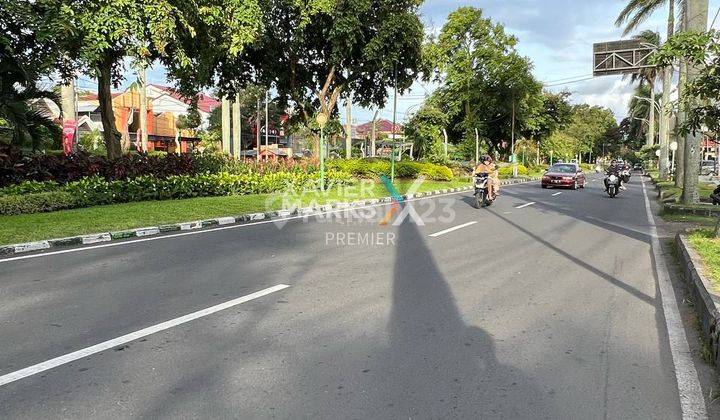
614,169
487,166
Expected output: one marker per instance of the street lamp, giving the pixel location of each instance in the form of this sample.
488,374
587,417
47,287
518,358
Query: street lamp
322,120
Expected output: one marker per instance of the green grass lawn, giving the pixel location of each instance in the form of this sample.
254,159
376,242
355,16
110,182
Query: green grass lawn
38,226
709,249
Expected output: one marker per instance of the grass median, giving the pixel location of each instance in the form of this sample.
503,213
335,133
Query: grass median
39,226
708,247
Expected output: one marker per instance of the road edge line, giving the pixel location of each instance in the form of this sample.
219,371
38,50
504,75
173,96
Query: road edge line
692,401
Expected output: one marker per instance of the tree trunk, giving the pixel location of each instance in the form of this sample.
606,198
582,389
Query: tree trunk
651,115
667,85
680,118
143,108
373,146
225,124
236,127
697,13
107,116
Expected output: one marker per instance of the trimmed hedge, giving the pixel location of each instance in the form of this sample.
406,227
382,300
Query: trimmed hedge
94,191
374,168
507,171
37,202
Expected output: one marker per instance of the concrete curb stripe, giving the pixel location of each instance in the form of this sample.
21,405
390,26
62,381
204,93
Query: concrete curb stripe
32,246
692,401
95,238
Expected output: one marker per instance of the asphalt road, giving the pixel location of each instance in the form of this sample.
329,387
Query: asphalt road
542,310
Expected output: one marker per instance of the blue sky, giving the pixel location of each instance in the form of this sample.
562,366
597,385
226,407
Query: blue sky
557,35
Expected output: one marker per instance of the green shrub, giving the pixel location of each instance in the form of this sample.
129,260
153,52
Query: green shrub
507,171
374,168
37,202
29,187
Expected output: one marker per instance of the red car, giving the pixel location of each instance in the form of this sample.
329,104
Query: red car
564,175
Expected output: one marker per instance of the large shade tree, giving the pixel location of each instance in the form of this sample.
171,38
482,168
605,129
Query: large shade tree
484,81
98,36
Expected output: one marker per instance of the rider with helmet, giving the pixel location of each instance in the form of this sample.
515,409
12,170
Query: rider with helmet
487,166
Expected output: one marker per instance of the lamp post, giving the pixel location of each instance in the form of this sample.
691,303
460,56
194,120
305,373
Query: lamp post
551,160
322,120
523,155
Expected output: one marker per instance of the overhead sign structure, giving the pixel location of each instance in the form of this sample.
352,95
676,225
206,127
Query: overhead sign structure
621,57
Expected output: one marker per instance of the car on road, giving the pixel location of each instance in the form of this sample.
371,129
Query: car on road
638,167
568,175
707,167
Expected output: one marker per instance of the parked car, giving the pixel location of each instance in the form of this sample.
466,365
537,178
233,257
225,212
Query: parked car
564,175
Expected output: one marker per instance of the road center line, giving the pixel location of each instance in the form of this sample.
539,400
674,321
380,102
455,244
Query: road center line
525,205
692,401
442,232
105,345
557,193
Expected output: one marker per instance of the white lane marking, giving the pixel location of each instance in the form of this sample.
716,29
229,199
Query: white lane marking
106,345
203,231
692,401
442,232
525,205
557,193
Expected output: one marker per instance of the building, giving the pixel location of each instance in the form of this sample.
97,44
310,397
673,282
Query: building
164,107
384,129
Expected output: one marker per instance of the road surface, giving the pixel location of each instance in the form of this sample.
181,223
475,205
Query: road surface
544,305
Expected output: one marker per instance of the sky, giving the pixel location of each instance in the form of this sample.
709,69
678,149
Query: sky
557,36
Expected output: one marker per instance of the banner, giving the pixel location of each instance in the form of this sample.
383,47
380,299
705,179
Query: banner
69,127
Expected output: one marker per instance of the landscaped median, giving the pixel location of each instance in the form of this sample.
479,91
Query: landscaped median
30,232
700,255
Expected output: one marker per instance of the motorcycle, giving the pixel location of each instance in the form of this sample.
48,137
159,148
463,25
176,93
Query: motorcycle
613,185
482,190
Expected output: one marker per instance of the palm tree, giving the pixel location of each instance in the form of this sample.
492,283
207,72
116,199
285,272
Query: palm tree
18,92
646,81
636,12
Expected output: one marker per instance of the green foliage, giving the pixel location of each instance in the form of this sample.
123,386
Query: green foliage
482,79
37,202
425,130
94,191
699,101
374,168
507,171
92,142
29,187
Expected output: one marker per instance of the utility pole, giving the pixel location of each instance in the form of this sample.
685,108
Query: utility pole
512,140
348,128
267,126
257,130
143,107
392,157
68,106
236,127
477,147
444,131
696,14
374,134
538,153
226,125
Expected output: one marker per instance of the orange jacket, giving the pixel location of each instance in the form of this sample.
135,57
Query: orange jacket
488,169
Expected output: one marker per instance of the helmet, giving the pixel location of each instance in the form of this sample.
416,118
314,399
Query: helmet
486,158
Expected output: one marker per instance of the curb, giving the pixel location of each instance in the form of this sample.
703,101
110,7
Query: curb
95,238
708,210
705,303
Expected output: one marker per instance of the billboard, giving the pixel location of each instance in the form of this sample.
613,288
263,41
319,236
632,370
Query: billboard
620,57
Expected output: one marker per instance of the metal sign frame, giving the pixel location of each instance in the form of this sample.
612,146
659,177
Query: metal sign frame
621,57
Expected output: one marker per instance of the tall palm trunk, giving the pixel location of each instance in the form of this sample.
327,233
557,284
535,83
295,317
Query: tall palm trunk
110,133
651,115
696,15
680,118
665,114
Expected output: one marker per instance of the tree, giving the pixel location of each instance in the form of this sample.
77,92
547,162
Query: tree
424,129
484,81
96,36
29,125
636,12
646,82
314,52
